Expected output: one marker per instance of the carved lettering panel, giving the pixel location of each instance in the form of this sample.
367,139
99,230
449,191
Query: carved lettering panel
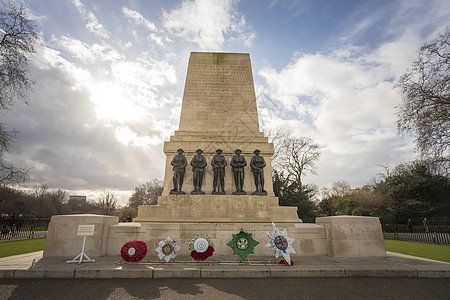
219,91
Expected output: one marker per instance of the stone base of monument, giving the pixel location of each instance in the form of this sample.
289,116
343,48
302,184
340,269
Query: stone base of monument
217,208
353,236
63,239
310,239
342,236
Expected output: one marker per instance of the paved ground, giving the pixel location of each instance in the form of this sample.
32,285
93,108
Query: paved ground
20,266
262,288
394,277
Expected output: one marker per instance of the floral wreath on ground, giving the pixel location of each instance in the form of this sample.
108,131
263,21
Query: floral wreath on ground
167,249
242,244
281,244
201,247
133,251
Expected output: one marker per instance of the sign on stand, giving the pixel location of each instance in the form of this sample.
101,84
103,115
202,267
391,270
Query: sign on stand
83,230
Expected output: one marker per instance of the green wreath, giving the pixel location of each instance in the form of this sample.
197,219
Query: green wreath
242,244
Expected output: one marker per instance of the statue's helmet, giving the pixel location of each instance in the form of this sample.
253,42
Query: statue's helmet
256,151
180,150
199,151
237,150
219,151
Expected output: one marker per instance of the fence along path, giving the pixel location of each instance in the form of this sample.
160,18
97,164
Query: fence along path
24,228
435,230
428,237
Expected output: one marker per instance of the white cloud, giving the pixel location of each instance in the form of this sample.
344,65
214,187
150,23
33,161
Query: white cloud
60,137
49,58
359,22
206,23
137,19
144,73
129,137
348,100
88,54
92,24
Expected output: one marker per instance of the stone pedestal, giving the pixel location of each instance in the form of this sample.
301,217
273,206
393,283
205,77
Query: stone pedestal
62,239
217,208
352,236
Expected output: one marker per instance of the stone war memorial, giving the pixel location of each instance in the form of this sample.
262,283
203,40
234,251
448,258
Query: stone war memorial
218,185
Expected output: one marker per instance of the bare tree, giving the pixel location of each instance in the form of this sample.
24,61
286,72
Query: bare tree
40,191
278,138
8,172
146,193
17,42
425,109
17,39
107,203
293,156
340,188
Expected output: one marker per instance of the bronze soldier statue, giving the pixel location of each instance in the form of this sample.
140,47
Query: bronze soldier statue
219,162
179,164
198,164
238,163
257,164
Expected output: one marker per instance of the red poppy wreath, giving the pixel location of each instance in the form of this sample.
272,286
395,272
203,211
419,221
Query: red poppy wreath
134,251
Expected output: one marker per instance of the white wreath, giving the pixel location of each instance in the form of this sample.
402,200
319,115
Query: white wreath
173,254
286,253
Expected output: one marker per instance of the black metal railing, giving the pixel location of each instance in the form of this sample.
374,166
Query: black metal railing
23,228
429,230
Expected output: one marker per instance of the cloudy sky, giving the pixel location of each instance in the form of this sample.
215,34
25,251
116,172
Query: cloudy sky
110,76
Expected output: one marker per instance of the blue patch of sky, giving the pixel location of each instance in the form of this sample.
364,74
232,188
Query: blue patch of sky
320,28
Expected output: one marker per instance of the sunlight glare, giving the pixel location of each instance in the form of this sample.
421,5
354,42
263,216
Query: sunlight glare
128,137
112,104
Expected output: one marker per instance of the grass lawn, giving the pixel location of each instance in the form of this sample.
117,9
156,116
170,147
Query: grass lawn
430,251
21,247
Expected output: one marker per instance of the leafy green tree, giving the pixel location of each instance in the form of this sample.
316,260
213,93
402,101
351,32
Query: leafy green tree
416,192
290,194
327,207
346,204
370,203
342,200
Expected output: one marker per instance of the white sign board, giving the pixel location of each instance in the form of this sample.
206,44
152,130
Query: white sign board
86,230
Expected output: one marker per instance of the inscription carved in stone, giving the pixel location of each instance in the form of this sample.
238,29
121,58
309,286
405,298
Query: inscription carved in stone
217,92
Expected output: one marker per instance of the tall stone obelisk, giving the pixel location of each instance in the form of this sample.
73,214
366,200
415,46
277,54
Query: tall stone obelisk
219,94
219,112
